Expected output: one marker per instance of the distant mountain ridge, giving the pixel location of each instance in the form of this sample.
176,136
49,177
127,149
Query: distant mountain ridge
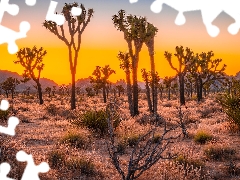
4,74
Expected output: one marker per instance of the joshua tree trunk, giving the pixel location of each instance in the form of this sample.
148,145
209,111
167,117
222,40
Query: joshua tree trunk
181,88
129,93
135,87
73,96
104,94
169,93
150,45
12,92
39,88
149,98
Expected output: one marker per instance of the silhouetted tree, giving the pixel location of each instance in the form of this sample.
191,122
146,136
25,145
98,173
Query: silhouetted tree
146,78
120,89
76,27
184,59
126,65
9,86
206,70
101,76
134,30
31,60
167,82
48,90
149,41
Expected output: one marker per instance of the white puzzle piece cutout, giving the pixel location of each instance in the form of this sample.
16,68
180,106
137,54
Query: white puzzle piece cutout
210,10
7,35
4,170
31,171
12,121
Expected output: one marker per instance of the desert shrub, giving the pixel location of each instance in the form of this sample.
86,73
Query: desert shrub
231,106
56,159
74,139
68,114
202,137
4,114
218,152
85,166
205,112
156,138
131,140
96,120
185,161
121,147
52,109
167,104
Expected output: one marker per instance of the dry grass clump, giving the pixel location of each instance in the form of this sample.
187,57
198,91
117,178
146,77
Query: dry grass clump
52,109
4,115
85,166
187,161
219,152
56,159
75,139
202,137
96,120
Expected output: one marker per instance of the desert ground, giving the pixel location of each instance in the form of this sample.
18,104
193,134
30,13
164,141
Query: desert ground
76,152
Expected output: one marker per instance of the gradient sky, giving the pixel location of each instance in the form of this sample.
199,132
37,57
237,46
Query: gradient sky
101,41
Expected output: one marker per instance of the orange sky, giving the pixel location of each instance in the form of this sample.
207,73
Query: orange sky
101,41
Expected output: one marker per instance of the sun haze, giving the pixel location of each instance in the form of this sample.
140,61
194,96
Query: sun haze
101,41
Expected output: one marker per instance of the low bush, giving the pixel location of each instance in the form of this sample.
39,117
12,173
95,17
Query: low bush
75,139
218,152
96,120
85,166
4,115
56,159
52,109
202,137
185,161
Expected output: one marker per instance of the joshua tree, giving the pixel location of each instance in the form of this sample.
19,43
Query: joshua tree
205,70
76,27
48,90
134,30
120,89
102,75
167,81
149,41
146,78
54,90
9,85
184,59
31,60
126,65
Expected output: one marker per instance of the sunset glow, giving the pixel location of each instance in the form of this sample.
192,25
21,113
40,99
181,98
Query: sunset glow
101,42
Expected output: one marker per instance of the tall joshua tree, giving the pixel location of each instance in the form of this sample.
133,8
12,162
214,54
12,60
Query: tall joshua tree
149,41
134,30
76,27
126,65
184,60
31,60
206,70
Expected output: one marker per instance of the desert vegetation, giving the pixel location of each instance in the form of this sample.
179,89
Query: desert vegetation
180,127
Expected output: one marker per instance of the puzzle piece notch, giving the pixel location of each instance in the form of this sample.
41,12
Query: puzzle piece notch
209,12
59,18
4,170
30,2
31,171
12,9
12,124
4,105
9,36
133,1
